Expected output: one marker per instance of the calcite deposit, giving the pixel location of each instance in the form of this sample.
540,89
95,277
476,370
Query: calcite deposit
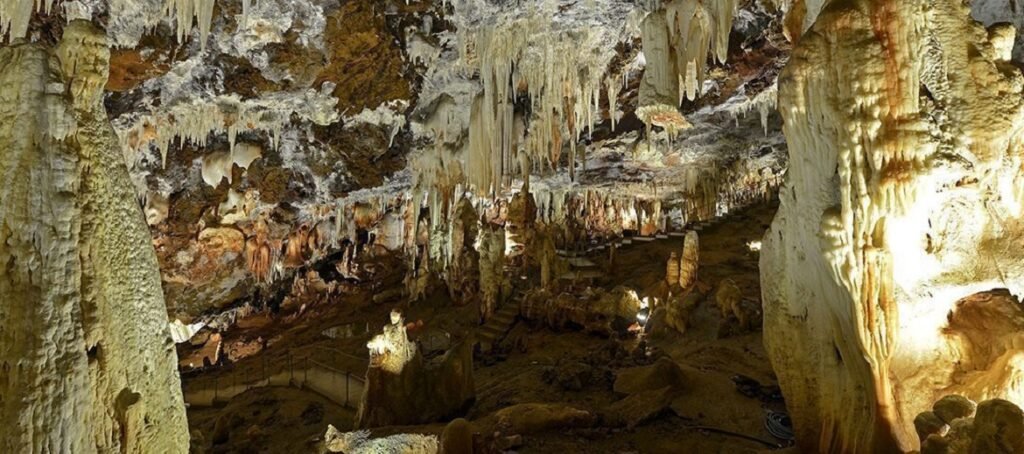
903,121
87,358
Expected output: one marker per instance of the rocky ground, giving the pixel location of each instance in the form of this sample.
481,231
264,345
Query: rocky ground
705,411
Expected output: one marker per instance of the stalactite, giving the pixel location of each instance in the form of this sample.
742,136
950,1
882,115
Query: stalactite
677,38
219,165
691,27
723,12
613,84
15,14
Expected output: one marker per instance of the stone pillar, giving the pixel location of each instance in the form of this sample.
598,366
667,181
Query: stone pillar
86,359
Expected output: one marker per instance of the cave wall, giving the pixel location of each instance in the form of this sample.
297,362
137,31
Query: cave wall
903,121
87,361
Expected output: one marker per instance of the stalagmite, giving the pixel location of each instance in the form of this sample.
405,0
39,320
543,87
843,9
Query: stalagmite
548,258
688,261
464,273
404,388
391,350
87,360
672,269
904,124
492,269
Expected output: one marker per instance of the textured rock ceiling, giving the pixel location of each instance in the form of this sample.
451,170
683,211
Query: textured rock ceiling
272,113
246,122
269,115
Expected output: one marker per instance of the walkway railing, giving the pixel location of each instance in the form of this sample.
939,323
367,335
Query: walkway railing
330,372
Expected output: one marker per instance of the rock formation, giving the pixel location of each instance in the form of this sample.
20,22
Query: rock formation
493,283
678,309
903,196
302,165
956,425
359,442
87,360
689,260
403,387
672,269
391,350
464,273
732,306
531,418
595,310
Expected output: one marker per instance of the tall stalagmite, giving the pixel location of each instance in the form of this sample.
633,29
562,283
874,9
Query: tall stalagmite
903,196
86,360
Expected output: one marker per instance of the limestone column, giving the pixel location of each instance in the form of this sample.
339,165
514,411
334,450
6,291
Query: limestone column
86,359
904,124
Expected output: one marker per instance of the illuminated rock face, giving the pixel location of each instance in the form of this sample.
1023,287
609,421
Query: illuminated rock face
86,359
903,196
405,388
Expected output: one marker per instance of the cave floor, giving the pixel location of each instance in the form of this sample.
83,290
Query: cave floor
709,416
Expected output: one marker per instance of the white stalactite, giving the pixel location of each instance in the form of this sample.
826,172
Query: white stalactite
764,103
15,14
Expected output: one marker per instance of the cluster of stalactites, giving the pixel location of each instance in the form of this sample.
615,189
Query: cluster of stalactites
424,225
15,16
194,121
696,28
248,5
563,86
677,37
188,12
764,103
